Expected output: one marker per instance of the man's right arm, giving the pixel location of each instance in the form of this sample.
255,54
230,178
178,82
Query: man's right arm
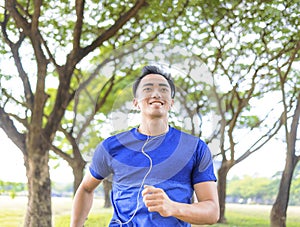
83,200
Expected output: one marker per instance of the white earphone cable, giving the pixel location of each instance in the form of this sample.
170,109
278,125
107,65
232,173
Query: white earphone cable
143,181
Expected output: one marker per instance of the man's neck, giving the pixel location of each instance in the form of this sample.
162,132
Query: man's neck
154,127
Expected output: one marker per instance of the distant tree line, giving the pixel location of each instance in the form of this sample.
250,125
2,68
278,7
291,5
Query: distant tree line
259,190
12,188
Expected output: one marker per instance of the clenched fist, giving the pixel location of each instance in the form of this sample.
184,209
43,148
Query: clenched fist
158,201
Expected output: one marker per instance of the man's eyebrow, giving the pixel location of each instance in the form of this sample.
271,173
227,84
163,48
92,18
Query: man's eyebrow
151,84
165,85
148,84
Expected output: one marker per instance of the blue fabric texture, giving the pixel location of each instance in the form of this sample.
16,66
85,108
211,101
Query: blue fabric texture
179,161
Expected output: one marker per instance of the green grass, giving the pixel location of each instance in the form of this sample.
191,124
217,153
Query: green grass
11,218
256,215
93,220
12,214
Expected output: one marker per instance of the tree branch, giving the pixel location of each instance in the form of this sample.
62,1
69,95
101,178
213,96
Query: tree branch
11,131
21,22
294,124
60,153
114,28
36,15
268,135
79,6
15,51
31,30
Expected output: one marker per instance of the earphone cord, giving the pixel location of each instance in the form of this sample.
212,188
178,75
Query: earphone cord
143,181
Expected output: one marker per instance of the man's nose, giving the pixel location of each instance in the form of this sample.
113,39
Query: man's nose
156,94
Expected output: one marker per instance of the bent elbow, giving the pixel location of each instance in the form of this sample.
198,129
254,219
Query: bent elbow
215,217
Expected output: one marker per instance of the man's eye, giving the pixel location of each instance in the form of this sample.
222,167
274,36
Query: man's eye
147,89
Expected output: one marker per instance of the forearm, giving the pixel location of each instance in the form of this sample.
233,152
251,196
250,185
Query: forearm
82,204
205,212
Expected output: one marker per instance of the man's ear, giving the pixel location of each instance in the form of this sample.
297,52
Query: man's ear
135,103
171,104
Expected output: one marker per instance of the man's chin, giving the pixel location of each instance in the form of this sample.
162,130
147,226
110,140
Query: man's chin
158,114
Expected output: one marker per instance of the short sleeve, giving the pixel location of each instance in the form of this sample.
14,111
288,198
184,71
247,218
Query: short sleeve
203,167
100,166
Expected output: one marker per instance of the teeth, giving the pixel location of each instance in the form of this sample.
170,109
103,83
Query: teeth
156,103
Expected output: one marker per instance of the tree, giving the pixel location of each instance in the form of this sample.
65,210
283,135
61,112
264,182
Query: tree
288,82
53,47
236,40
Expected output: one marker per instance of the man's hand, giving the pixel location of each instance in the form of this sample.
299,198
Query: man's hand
158,201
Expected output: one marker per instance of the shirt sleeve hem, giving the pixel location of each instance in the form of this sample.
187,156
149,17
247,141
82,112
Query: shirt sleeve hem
96,175
212,178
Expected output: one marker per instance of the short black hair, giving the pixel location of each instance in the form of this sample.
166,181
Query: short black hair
153,69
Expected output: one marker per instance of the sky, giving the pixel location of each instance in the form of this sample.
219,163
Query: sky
265,163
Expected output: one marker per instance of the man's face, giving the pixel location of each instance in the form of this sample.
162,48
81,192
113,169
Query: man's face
153,96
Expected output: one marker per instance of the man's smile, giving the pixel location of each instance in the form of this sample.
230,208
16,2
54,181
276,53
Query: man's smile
156,102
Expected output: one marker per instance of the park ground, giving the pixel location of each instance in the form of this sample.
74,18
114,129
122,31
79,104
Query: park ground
12,213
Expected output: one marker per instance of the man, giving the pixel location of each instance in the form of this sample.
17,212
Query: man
156,168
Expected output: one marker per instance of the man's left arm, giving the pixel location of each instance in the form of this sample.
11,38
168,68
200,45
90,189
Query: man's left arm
204,211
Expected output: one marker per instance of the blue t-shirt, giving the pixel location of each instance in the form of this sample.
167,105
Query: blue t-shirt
174,162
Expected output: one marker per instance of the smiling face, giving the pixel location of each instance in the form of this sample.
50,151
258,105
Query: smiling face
153,96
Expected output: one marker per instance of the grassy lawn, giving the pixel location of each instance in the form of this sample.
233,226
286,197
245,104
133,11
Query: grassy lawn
12,213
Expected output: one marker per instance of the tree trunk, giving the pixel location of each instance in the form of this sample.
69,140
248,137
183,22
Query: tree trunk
78,174
107,186
278,212
222,178
39,188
